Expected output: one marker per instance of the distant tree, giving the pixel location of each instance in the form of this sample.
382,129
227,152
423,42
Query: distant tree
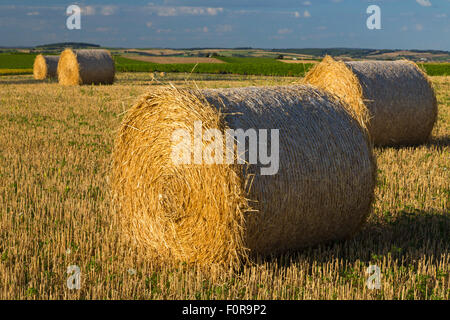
280,57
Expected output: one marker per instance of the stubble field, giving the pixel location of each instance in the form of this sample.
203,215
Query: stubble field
55,148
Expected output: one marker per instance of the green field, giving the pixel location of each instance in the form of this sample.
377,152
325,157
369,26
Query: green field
436,69
248,60
232,65
56,209
17,60
256,66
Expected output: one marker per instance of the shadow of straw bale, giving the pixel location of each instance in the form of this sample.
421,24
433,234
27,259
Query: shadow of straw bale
405,235
439,142
22,81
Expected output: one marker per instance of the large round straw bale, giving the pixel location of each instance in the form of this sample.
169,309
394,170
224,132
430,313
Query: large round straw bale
45,67
219,213
394,98
86,67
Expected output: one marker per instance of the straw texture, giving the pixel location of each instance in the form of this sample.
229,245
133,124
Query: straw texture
45,67
224,213
394,98
86,67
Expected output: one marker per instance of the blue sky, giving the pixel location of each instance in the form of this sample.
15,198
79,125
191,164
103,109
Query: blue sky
406,24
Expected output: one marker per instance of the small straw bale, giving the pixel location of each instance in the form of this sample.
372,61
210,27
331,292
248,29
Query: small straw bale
395,99
86,66
45,67
223,214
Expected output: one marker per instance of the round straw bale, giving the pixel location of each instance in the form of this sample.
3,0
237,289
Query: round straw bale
45,67
86,67
221,213
394,98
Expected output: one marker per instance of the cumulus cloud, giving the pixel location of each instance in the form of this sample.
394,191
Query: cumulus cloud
424,3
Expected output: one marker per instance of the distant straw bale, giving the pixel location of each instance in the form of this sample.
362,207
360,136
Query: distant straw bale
224,213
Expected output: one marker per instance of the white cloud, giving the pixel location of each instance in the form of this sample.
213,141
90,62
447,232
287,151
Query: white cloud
224,28
184,11
88,10
306,3
197,30
213,11
404,28
306,14
33,13
7,7
167,12
246,11
164,30
424,3
284,31
108,10
441,15
321,28
149,24
419,27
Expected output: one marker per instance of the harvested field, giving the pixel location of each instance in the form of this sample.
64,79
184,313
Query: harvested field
55,210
